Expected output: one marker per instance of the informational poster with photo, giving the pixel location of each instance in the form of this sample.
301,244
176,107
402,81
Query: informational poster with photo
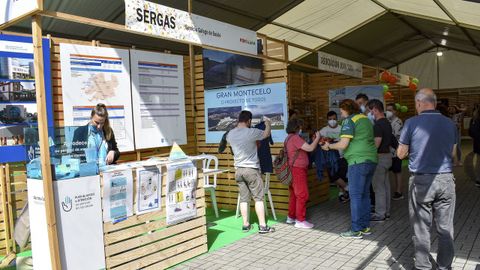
149,189
158,96
222,107
92,75
181,189
117,195
18,107
336,96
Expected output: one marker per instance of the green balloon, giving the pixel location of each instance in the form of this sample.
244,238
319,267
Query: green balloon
404,109
385,88
398,106
415,80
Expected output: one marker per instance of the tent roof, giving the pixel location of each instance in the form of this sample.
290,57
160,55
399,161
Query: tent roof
373,32
379,32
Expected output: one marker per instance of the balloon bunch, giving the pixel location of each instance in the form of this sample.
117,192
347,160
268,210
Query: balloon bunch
386,94
412,84
401,108
386,76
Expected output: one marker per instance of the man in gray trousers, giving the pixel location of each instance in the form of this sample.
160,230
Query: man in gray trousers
429,139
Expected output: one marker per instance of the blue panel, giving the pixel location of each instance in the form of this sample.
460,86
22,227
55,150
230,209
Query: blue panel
17,153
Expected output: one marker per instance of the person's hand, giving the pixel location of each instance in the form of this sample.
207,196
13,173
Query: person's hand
110,157
266,119
316,135
326,146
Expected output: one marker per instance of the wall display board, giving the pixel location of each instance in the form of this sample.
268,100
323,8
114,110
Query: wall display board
92,75
149,189
13,10
181,189
336,96
158,99
18,107
333,63
222,107
117,195
148,17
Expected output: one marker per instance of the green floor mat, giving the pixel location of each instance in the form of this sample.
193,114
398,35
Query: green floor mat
227,229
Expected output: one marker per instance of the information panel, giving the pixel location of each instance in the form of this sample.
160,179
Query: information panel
18,106
92,75
158,99
222,107
336,96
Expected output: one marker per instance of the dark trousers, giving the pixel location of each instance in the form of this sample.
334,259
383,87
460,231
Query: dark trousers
432,197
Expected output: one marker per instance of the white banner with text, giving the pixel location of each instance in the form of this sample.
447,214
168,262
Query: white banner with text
333,63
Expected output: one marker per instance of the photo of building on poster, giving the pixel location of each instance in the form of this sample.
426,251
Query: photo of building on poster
223,106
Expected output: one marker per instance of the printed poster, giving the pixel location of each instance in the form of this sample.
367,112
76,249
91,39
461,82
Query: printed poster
181,192
92,75
222,107
336,96
149,189
158,94
117,195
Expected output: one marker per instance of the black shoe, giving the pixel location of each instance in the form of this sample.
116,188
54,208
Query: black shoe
265,229
387,217
247,228
377,219
477,183
397,196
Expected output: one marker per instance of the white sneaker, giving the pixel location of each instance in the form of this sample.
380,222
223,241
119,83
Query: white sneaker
290,220
303,225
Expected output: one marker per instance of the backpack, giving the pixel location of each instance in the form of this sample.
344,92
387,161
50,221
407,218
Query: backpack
281,167
223,143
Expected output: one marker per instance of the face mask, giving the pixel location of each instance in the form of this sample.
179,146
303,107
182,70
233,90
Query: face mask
362,108
370,116
332,123
300,132
389,114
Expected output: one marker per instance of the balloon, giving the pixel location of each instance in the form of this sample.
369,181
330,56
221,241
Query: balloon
392,79
398,106
404,109
388,95
385,88
414,80
384,76
412,86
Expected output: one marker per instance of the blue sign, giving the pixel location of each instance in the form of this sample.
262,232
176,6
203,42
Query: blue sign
18,108
222,107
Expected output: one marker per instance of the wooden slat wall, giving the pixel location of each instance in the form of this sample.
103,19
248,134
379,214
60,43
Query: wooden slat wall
227,189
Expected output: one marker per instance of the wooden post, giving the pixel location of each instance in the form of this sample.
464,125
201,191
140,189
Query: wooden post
44,144
11,209
191,55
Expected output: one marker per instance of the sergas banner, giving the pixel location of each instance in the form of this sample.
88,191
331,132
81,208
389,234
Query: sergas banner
222,107
333,63
147,17
11,10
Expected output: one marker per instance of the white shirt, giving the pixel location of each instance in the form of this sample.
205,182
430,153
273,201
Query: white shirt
333,133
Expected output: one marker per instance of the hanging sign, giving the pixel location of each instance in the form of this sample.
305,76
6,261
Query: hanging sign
147,17
333,63
402,79
12,10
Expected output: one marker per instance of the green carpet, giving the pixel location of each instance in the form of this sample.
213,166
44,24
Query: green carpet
227,229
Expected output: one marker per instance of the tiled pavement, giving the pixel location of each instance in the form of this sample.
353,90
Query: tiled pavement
389,247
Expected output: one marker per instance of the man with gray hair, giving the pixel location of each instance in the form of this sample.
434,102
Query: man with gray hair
429,139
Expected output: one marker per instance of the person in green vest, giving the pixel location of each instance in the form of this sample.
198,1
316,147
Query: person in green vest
357,142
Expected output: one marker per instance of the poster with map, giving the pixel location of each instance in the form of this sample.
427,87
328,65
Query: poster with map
92,75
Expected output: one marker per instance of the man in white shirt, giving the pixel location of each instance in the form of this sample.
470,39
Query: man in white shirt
332,132
243,140
396,168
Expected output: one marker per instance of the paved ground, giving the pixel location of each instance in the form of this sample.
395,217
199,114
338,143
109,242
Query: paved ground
389,247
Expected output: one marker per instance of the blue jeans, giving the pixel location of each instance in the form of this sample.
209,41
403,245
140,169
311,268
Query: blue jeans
359,181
